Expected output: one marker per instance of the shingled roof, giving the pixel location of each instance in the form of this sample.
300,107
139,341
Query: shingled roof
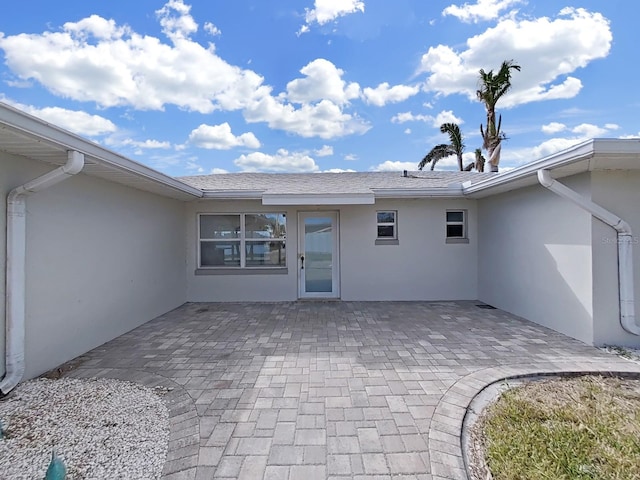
331,183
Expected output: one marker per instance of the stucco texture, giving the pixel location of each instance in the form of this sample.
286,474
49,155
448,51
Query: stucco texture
101,260
535,257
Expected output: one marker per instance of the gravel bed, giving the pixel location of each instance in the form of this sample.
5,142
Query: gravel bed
100,428
631,354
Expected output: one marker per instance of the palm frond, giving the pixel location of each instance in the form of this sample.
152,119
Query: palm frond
436,154
455,136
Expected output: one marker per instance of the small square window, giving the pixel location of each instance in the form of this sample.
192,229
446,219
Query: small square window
456,225
387,224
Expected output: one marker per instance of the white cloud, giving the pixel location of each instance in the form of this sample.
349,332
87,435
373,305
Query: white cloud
383,94
211,29
410,117
551,146
323,96
588,130
325,151
407,131
351,157
482,10
96,60
146,145
548,49
323,81
76,121
391,166
338,170
194,167
324,119
553,127
612,126
220,137
445,116
176,21
583,132
326,11
282,161
218,171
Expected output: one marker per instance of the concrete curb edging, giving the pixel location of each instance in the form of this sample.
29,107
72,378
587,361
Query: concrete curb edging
448,461
184,426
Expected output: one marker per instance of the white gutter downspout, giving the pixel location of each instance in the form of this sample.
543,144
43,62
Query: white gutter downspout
16,265
625,246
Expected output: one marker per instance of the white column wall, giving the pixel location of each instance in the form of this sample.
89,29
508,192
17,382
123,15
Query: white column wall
102,259
618,192
535,257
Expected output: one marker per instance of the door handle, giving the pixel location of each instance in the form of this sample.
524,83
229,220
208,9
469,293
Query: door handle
301,262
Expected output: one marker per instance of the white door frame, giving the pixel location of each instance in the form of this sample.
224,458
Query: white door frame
335,257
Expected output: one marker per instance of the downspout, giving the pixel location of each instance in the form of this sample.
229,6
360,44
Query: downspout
16,266
625,246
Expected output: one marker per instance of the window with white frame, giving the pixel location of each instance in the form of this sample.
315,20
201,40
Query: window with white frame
456,224
242,240
387,224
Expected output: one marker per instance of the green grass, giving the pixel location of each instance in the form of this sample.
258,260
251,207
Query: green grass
578,428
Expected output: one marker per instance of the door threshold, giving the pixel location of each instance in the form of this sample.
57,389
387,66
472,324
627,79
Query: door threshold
319,299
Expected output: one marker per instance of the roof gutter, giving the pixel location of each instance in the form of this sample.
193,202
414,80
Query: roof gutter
625,246
566,157
29,126
16,266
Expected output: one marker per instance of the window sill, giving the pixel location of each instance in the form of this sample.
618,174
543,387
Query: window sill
387,241
242,271
457,240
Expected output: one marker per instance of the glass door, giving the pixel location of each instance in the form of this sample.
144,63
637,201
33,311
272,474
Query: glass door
318,255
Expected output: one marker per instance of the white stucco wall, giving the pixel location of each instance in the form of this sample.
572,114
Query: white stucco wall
421,267
618,192
535,257
102,259
237,288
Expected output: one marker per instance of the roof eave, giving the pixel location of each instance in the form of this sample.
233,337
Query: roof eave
571,155
232,194
43,132
444,192
582,157
290,199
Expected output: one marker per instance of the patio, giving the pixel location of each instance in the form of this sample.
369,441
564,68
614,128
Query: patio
318,390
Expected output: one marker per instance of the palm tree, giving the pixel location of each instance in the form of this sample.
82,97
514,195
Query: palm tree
454,147
492,88
479,160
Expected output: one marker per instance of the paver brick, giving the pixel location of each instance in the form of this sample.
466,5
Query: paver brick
340,386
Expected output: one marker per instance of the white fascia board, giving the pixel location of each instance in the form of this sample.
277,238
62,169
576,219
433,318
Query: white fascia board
233,194
318,199
573,154
447,192
33,127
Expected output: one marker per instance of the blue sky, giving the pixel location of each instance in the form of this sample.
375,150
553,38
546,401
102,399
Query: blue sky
213,86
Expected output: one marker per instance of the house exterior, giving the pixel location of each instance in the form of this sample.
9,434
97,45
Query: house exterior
105,244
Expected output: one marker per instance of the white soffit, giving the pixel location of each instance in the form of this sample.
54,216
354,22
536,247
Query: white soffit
597,154
318,199
27,136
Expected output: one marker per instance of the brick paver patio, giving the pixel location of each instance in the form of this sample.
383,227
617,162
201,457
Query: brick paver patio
330,390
